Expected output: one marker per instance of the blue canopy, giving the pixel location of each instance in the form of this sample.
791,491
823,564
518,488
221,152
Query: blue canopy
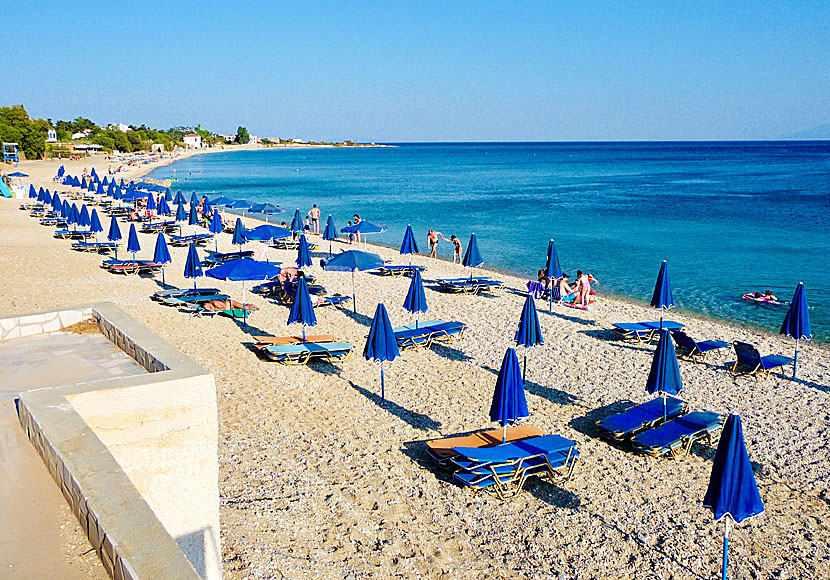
303,255
363,227
181,213
265,208
132,241
193,265
95,223
151,203
240,204
243,269
352,261
302,310
17,174
297,222
553,269
732,489
409,245
33,193
221,200
472,257
83,216
381,345
416,300
797,321
664,376
164,207
61,171
509,403
193,216
180,199
238,233
529,333
330,233
114,233
266,232
662,297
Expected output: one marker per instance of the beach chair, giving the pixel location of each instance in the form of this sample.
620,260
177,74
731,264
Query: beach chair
196,239
441,450
263,342
504,468
398,271
425,334
72,234
129,267
190,301
470,285
181,293
676,437
156,227
695,351
220,258
623,426
100,247
304,352
750,361
643,331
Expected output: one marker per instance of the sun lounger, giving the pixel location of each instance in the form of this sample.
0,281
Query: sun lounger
666,324
100,247
197,239
623,426
643,331
181,293
304,352
397,271
470,285
504,468
425,334
677,436
219,257
695,351
137,267
156,227
275,287
441,450
188,301
750,361
73,234
288,244
266,341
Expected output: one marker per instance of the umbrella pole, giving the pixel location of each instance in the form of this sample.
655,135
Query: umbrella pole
354,298
725,548
215,245
244,314
661,319
664,405
162,276
303,333
524,367
504,434
382,384
795,360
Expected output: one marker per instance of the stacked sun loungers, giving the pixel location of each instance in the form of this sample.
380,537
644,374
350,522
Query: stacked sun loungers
303,352
287,244
397,271
54,222
647,431
197,239
750,362
73,234
156,227
219,257
643,331
503,469
99,247
424,334
470,285
263,342
131,267
442,450
695,351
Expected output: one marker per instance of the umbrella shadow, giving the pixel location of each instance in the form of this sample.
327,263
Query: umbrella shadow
549,393
164,285
356,316
416,451
413,418
575,319
449,352
552,494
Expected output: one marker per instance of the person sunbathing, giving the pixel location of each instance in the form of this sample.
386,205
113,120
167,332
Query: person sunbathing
228,305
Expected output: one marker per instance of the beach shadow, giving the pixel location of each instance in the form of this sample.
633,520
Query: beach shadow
583,321
414,419
356,316
417,452
549,393
586,424
165,286
551,494
449,352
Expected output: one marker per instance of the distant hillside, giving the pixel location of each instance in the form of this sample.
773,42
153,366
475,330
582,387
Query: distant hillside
820,132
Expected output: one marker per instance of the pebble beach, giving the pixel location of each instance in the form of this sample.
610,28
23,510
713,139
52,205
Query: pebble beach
321,478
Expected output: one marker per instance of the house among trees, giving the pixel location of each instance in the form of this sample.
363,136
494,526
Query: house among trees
192,141
51,136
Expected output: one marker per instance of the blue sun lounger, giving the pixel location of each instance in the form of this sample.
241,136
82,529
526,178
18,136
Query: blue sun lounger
643,331
622,426
100,247
750,361
504,468
677,436
302,353
470,285
73,234
399,270
156,227
189,301
219,257
426,333
690,349
181,293
197,239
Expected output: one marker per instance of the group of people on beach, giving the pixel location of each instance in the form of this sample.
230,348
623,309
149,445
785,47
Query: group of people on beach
579,292
432,238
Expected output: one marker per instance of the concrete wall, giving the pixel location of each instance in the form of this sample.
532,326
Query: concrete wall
136,457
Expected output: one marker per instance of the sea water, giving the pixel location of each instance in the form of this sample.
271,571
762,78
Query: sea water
729,217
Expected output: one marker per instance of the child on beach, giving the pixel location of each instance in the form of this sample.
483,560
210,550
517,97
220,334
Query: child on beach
584,287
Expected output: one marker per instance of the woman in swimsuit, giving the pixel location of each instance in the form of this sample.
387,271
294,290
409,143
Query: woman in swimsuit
456,253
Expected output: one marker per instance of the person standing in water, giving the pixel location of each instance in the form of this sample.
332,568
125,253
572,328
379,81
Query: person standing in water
432,238
456,251
314,214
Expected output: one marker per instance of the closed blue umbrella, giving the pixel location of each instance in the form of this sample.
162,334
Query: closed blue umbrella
151,203
168,195
193,217
732,489
302,310
797,321
106,181
93,173
32,192
416,300
114,233
83,182
238,234
243,270
330,233
47,197
409,246
100,189
193,265
56,202
353,261
303,255
72,218
132,241
83,217
216,228
553,270
91,186
297,222
207,210
161,254
181,213
662,297
61,171
65,210
180,199
509,403
164,207
381,345
529,333
472,257
95,224
194,200
664,376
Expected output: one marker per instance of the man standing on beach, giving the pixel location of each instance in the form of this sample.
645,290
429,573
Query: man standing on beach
314,214
432,238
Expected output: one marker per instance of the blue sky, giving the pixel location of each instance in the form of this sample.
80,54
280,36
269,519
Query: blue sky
427,71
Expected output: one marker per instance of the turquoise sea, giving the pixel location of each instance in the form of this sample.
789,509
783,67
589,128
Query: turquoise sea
730,217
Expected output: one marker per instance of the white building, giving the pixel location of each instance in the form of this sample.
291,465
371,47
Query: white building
193,141
51,136
82,134
228,138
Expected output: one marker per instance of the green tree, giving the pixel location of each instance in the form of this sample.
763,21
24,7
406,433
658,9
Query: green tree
242,136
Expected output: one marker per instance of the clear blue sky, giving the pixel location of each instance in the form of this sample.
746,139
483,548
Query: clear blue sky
427,71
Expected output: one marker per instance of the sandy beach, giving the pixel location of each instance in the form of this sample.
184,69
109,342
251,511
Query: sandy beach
320,478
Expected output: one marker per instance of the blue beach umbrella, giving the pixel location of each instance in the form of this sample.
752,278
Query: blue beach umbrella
100,189
106,181
302,310
56,203
303,255
364,227
409,246
662,297
193,218
65,210
352,261
194,200
74,216
164,207
77,182
180,199
797,321
529,333
265,233
93,173
111,189
193,265
221,200
168,195
416,300
732,489
114,233
91,187
509,403
132,241
161,254
297,222
241,204
553,270
207,210
330,233
83,217
95,224
243,270
664,376
181,213
151,203
32,192
238,234
83,182
61,171
472,257
216,227
381,344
